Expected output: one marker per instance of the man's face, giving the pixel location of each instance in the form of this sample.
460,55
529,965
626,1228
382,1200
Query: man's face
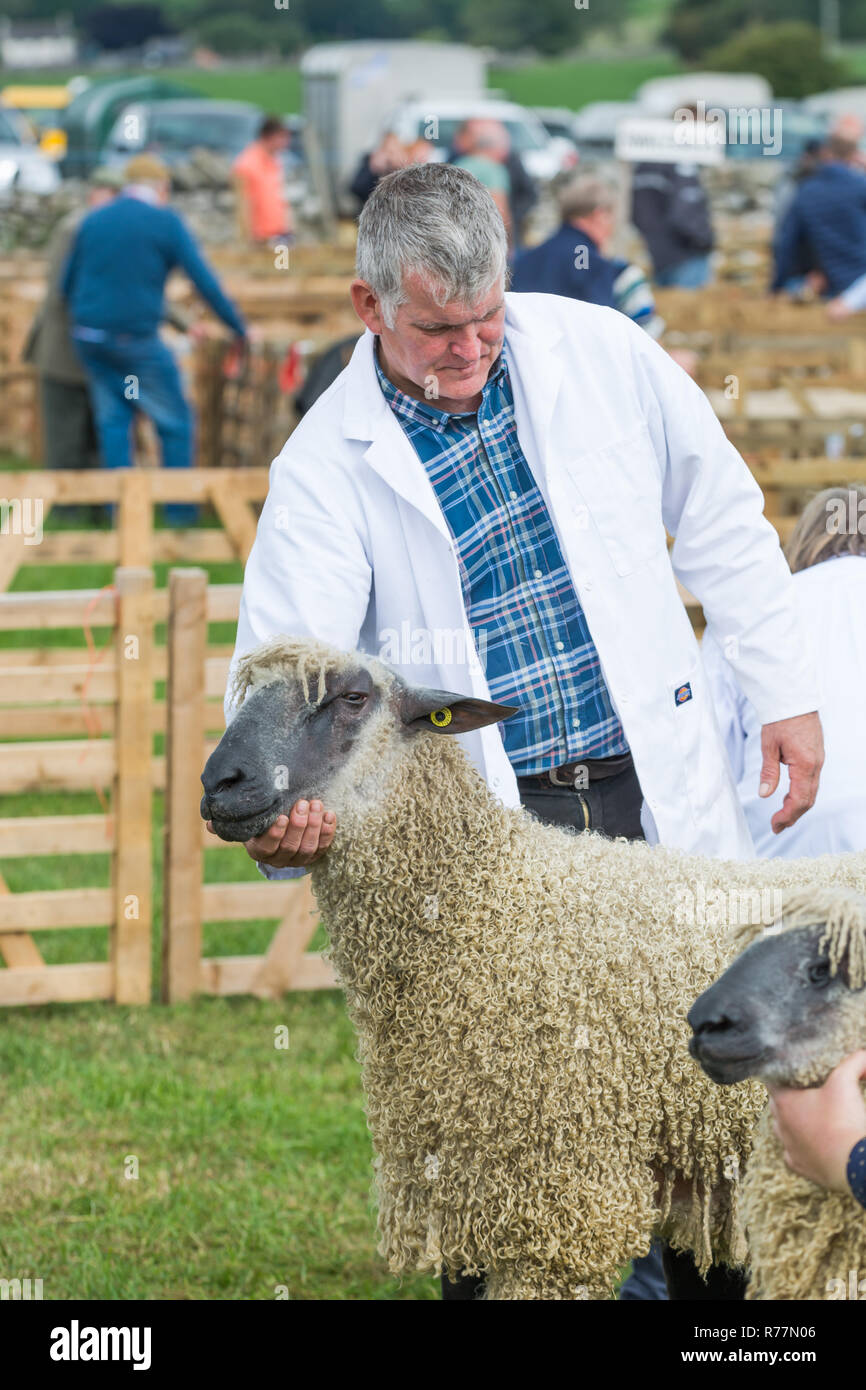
445,352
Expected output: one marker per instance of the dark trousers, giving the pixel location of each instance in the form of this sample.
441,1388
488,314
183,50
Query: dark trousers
610,805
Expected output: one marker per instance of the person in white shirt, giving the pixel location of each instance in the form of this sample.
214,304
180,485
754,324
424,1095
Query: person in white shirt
827,554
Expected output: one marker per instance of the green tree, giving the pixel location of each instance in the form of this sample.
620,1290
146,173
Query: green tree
697,26
790,56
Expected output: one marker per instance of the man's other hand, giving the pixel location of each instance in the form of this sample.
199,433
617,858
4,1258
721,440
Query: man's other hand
799,744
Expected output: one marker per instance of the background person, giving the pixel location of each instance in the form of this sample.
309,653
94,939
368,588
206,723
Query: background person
482,147
388,155
829,567
114,286
264,212
574,260
69,437
671,210
823,233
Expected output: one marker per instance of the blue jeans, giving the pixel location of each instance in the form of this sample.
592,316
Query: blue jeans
692,274
127,374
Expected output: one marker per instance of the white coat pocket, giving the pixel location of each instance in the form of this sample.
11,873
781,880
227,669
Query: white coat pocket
621,486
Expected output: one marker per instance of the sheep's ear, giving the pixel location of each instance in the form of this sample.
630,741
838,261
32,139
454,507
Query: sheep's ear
421,708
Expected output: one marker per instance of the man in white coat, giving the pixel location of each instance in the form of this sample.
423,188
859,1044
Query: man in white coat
481,499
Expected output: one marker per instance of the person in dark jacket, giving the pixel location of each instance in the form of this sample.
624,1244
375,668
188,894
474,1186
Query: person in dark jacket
824,230
114,286
574,262
389,154
671,211
68,428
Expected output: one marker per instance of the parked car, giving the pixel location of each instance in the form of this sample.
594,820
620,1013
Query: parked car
43,108
172,128
558,121
594,126
23,166
439,118
790,132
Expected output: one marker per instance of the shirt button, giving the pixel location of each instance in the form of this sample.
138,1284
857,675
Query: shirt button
560,646
513,496
577,723
538,574
587,585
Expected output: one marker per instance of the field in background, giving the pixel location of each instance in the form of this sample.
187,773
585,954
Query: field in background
570,83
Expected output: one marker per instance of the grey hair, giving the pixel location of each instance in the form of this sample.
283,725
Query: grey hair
436,221
817,535
582,195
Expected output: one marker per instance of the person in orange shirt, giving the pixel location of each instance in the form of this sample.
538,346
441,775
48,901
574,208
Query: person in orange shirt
264,213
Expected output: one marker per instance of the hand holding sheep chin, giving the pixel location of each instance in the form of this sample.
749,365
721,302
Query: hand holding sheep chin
295,840
799,743
819,1127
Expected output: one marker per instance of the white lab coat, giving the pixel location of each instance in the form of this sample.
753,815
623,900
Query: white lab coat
352,547
832,601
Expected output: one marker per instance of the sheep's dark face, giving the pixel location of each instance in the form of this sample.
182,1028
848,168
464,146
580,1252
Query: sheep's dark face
778,1014
281,746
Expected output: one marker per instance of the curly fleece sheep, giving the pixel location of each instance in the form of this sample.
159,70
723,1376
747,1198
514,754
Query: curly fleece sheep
519,992
785,1012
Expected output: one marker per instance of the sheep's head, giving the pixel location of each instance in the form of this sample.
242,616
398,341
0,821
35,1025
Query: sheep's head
793,1004
318,722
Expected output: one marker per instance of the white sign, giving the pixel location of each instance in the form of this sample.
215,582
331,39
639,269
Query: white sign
643,138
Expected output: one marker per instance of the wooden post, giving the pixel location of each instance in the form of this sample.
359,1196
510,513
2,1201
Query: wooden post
130,938
185,740
135,527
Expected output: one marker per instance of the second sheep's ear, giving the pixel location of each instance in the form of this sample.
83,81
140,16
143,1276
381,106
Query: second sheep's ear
447,713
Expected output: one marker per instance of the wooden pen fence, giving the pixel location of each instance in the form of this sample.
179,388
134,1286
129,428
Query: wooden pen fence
76,719
29,496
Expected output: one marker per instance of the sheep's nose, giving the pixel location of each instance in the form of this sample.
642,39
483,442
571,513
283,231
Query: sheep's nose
222,775
705,1017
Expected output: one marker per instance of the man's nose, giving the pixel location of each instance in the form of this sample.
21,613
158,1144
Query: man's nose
467,344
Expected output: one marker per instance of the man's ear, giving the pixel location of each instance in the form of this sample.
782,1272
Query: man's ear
422,708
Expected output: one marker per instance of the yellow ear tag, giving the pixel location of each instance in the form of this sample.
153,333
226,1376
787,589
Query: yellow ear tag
441,718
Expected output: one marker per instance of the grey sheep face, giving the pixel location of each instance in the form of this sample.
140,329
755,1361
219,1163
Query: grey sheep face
779,1013
284,745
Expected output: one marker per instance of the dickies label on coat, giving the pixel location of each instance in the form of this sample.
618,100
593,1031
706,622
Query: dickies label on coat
683,693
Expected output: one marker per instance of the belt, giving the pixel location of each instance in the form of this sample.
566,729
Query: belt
577,774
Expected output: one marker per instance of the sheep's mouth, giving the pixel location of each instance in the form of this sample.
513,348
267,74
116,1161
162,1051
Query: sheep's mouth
239,829
724,1067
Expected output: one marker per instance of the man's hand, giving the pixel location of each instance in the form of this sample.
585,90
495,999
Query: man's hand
818,1128
296,840
799,743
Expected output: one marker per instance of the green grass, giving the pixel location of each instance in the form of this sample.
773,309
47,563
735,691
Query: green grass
554,83
575,84
254,1164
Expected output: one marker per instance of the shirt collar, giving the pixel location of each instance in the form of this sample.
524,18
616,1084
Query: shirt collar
426,411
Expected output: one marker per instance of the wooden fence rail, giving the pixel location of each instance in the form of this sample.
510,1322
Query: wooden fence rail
27,498
286,965
121,764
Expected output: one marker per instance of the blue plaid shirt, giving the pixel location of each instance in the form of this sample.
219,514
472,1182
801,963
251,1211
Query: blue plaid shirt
526,618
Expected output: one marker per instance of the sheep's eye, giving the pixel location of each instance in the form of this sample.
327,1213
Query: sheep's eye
354,697
819,974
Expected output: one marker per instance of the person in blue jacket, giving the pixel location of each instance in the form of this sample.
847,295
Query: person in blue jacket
823,231
573,261
114,284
